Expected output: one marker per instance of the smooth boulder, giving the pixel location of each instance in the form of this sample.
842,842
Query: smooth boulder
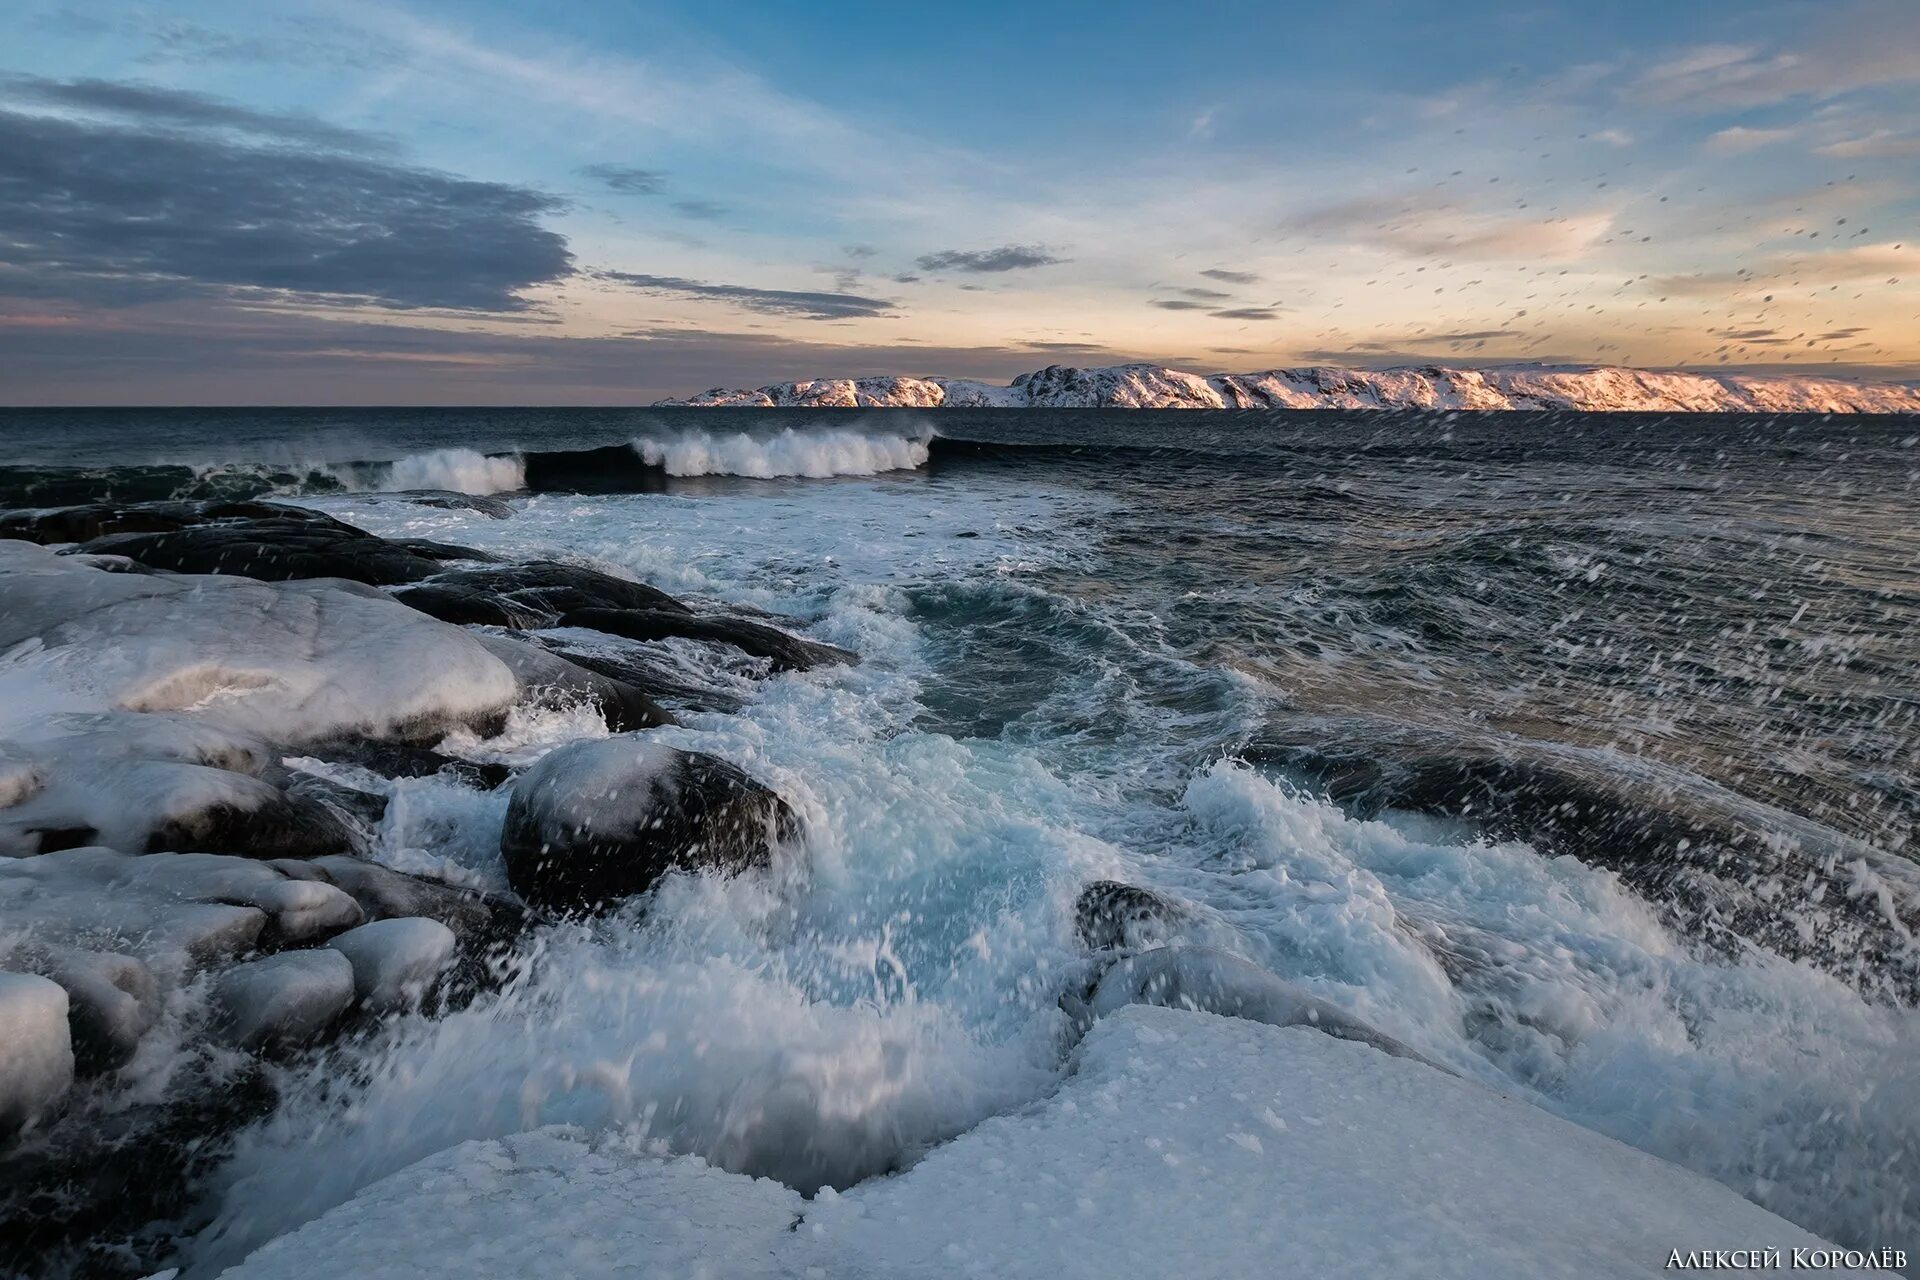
396,961
284,1001
597,822
36,1049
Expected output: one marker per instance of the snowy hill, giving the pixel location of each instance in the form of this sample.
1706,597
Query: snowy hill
1146,386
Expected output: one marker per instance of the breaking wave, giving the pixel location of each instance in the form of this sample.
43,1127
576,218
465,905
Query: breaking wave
814,454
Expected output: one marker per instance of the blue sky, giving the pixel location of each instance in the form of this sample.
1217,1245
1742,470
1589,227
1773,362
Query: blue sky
432,202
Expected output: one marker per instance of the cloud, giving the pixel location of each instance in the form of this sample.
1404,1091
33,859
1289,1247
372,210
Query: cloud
151,105
1231,277
859,251
1202,293
1012,257
169,201
1739,138
1420,226
626,179
702,210
1245,313
782,302
1880,142
1177,304
1868,43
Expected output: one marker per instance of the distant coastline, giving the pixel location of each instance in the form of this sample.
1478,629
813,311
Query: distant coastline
1147,386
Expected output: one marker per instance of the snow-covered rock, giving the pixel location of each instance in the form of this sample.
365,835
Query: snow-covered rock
36,1050
284,1000
1183,1145
287,662
175,912
395,961
1146,386
601,820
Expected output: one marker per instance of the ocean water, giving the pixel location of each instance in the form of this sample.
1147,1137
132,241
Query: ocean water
1404,707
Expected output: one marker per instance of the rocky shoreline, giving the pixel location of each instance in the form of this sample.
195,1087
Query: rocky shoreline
201,703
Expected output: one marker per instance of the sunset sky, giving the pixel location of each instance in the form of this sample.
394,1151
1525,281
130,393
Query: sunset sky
209,202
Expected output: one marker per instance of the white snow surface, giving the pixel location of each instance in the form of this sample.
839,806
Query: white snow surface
395,960
36,1051
1184,1144
1147,386
290,661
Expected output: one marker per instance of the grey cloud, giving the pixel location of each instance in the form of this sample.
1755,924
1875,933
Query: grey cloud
1012,257
1231,277
1469,335
785,302
1202,293
626,179
1245,313
109,210
1177,304
704,210
858,250
153,105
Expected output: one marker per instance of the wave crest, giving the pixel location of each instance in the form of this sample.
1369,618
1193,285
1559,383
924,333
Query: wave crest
813,454
460,470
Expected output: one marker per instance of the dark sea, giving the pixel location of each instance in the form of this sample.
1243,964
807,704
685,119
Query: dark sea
1580,752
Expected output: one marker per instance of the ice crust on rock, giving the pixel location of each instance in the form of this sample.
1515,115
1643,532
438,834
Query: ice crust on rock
1147,386
285,1000
36,1049
395,961
288,662
1183,1144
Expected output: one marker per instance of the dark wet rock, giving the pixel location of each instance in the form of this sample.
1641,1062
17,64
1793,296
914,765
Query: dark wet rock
698,687
531,595
280,549
1109,915
392,759
467,607
86,522
450,500
785,651
1728,871
596,822
545,676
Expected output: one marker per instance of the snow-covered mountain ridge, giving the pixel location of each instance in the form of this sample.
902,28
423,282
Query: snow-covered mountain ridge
1146,386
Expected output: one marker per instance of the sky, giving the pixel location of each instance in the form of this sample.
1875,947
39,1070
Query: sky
208,202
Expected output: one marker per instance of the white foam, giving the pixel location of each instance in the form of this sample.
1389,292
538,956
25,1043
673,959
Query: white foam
898,985
815,454
460,470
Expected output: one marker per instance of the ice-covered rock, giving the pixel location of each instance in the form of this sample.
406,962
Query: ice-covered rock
284,546
287,662
386,894
594,822
173,911
286,1000
1210,980
113,1001
1146,386
395,961
1182,1145
36,1049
